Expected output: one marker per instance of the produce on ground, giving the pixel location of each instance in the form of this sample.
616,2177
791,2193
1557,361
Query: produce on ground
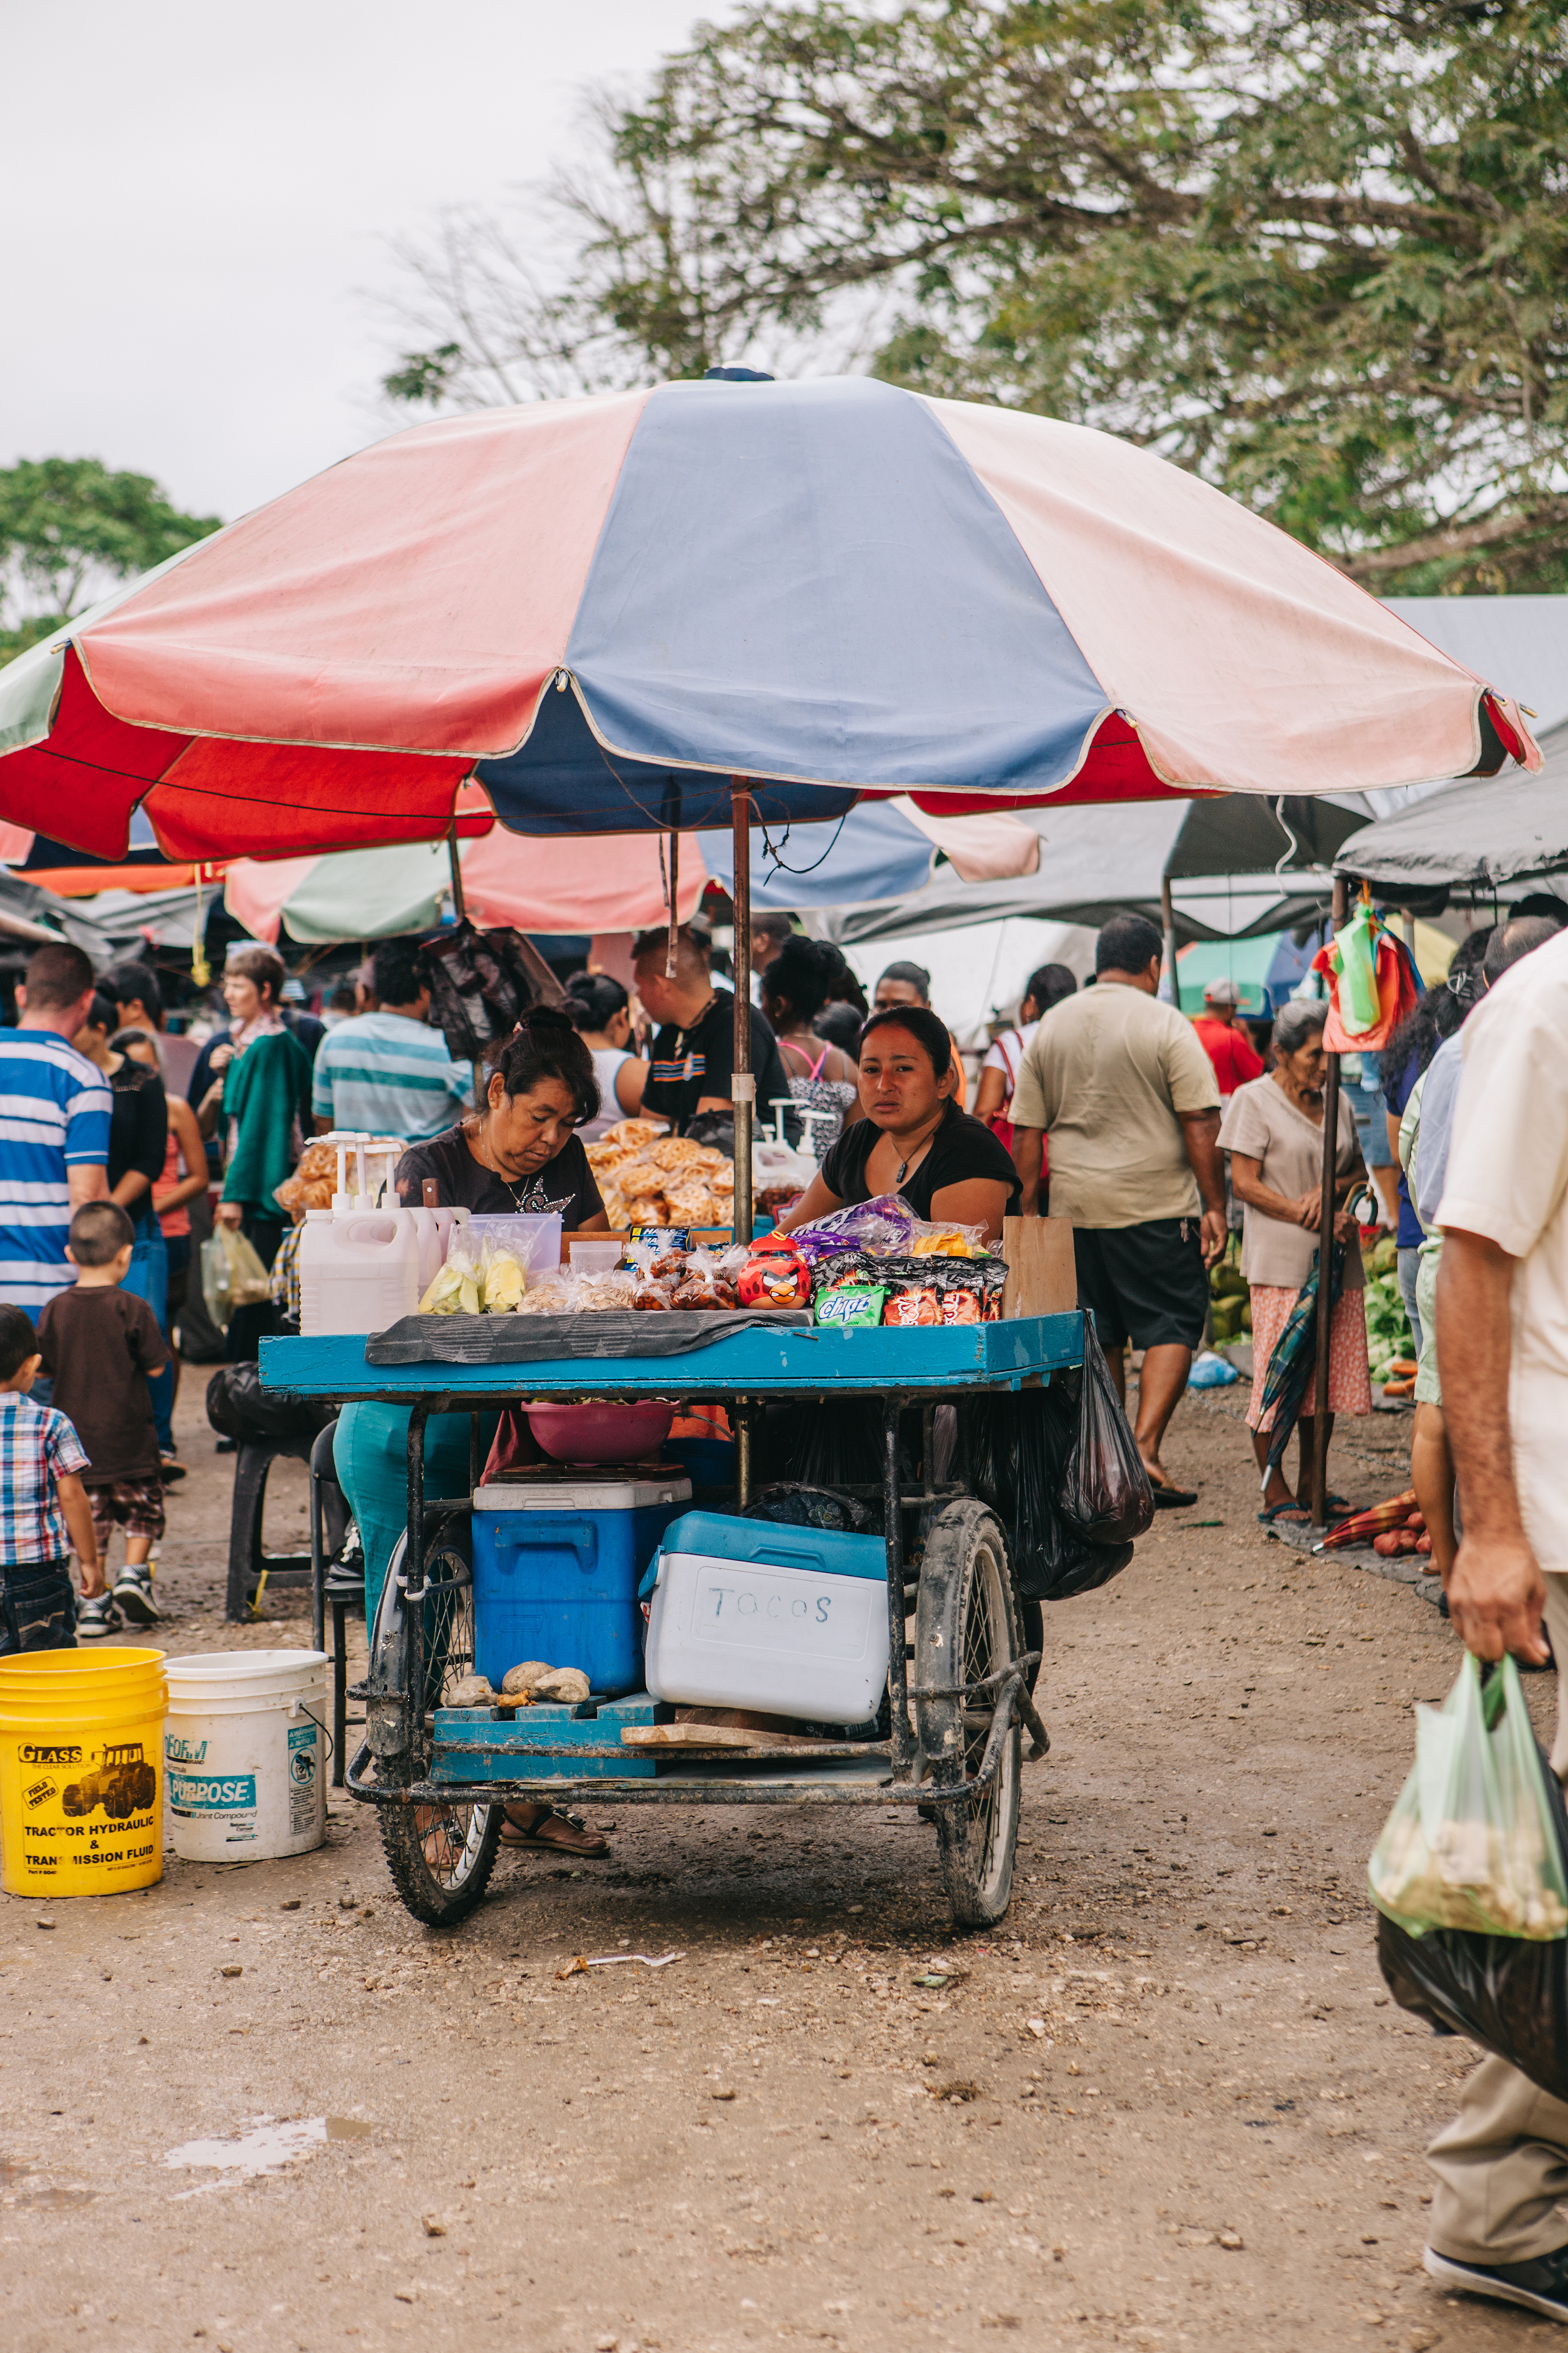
1390,1344
1383,1526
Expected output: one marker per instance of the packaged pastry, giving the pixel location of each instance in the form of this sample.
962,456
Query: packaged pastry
909,1303
850,1303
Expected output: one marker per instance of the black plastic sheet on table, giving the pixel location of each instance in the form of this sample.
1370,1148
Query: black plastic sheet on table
540,1339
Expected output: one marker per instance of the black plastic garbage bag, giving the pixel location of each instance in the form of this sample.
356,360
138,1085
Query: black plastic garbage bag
1020,1448
1510,1994
239,1407
480,982
792,1505
1105,1490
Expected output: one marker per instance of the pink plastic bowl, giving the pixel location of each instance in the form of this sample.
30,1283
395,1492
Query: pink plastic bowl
601,1433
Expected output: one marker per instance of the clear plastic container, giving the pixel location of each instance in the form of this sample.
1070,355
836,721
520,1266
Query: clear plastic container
593,1255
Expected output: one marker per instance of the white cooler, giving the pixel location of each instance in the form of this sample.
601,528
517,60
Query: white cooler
790,1621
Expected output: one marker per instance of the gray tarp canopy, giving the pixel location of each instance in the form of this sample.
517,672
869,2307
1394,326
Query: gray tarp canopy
1473,837
1097,862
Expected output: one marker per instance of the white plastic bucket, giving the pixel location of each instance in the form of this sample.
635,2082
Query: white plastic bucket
246,1753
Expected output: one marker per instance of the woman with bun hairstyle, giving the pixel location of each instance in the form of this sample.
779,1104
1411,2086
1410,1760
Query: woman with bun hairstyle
912,1138
600,1011
794,989
520,1153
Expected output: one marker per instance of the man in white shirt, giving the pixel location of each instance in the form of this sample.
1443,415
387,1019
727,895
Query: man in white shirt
1502,1350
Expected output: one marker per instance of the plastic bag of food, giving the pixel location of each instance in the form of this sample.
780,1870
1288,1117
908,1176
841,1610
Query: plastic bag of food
454,1288
1472,1842
232,1274
946,1240
1105,1491
503,1280
882,1225
702,1285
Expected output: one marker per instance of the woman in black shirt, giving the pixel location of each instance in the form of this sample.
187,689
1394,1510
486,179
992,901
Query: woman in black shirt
522,1153
913,1140
139,1114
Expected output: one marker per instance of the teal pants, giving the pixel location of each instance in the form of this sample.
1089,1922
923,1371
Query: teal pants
370,1454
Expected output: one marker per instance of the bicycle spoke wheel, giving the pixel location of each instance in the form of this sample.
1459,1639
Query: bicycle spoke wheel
965,1633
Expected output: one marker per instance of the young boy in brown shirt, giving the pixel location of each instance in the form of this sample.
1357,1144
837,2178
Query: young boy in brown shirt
99,1344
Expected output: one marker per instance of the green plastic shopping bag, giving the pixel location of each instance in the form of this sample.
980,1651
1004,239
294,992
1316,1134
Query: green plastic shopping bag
1471,1843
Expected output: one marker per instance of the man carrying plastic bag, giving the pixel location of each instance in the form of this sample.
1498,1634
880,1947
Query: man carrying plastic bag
1503,1349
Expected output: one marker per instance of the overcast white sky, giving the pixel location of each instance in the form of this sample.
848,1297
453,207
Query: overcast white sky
197,195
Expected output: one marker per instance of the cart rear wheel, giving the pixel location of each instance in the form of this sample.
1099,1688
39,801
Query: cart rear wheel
966,1630
440,1856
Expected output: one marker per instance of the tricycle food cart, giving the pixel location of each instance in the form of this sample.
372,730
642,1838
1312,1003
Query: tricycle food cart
953,1744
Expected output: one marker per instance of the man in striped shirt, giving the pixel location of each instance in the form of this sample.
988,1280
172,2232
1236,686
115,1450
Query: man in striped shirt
388,1071
54,1110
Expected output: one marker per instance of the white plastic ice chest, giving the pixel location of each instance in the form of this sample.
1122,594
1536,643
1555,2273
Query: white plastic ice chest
747,1614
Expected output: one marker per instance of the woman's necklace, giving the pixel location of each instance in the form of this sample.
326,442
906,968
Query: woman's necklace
486,1160
915,1149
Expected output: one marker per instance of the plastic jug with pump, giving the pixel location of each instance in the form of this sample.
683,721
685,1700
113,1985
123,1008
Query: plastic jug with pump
359,1265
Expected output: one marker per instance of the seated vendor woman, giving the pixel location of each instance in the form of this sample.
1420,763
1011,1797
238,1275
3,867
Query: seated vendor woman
520,1153
912,1138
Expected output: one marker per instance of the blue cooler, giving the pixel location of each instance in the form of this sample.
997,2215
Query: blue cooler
557,1563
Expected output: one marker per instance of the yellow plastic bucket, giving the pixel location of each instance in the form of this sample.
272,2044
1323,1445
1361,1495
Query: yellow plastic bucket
81,1771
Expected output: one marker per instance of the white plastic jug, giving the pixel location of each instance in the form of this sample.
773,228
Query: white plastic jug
434,1228
359,1269
246,1753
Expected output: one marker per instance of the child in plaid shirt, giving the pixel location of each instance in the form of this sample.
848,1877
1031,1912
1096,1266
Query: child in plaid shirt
45,1514
99,1344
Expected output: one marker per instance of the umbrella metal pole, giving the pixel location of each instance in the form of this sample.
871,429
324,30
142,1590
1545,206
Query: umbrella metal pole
459,911
1168,985
743,1090
1325,1253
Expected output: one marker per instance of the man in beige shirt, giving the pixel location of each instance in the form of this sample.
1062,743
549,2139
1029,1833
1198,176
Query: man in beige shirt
1128,1097
1497,2226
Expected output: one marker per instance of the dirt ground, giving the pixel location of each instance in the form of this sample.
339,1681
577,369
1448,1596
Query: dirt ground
1166,2104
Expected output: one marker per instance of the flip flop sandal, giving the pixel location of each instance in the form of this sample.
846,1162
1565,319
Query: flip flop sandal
1173,1499
579,1841
1283,1511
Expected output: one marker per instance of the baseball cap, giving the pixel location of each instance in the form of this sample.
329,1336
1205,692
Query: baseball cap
1224,992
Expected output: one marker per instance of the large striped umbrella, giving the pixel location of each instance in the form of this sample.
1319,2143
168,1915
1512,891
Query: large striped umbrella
605,609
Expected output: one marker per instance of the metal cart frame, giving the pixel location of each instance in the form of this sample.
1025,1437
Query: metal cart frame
939,1718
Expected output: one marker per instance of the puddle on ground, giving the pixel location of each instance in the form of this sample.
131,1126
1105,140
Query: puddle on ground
266,2146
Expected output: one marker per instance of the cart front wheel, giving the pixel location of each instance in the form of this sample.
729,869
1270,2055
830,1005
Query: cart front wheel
966,1630
440,1856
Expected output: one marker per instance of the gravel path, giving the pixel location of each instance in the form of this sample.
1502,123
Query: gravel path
1166,2104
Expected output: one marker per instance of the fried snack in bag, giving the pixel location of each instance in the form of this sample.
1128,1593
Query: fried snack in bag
455,1287
503,1280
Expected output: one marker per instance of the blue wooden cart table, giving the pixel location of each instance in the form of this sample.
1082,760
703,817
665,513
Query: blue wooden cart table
952,1743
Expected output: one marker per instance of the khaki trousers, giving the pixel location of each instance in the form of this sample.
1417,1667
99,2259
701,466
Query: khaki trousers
1502,2164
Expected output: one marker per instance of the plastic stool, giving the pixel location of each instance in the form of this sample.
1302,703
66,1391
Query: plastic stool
329,1525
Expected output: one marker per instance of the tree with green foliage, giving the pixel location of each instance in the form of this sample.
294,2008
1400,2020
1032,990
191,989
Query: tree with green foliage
1316,251
69,530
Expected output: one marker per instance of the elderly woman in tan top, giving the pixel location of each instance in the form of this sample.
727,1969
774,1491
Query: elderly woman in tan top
1273,1130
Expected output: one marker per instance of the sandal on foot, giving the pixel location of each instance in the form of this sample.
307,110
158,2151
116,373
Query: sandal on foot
1173,1499
1289,1510
555,1833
